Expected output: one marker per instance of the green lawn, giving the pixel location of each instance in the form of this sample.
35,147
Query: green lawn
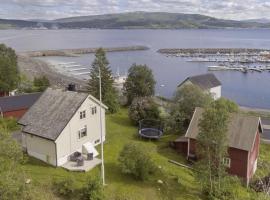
179,183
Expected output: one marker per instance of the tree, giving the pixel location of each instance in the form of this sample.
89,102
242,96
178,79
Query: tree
211,149
140,82
136,160
41,83
9,73
109,94
143,108
184,103
226,104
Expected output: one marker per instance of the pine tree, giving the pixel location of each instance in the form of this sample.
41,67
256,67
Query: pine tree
9,72
109,94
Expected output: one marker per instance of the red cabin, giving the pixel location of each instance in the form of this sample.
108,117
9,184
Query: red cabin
243,137
16,106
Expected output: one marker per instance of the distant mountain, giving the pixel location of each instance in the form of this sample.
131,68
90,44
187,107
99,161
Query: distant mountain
260,20
136,20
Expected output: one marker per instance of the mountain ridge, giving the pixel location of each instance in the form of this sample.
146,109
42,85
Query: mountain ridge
136,20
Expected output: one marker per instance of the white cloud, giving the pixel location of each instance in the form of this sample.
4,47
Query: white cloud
50,9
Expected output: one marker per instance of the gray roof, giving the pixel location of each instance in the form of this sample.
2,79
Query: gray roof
51,113
204,81
242,129
12,103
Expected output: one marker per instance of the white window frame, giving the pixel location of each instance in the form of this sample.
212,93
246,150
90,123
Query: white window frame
227,162
82,131
94,110
83,114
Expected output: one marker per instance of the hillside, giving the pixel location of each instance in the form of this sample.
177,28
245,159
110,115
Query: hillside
138,20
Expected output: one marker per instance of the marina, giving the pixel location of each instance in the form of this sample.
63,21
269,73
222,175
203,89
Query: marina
243,69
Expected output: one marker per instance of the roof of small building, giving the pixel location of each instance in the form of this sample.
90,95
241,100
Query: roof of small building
12,103
52,112
242,129
204,81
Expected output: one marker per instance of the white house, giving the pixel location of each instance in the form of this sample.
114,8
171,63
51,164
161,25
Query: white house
207,82
61,123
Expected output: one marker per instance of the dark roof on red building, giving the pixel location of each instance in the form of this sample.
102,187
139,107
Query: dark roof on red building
242,129
12,103
204,81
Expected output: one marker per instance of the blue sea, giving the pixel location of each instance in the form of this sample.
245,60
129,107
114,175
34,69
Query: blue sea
249,89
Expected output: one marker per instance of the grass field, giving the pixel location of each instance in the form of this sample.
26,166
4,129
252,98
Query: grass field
179,183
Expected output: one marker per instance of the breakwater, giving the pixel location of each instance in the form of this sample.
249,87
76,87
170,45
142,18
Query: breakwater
213,51
76,52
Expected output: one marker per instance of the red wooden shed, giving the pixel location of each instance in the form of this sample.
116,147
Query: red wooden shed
243,138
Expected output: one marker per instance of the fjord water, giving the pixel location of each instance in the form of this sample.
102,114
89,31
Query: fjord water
251,89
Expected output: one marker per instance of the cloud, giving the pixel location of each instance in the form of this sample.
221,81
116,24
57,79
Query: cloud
51,9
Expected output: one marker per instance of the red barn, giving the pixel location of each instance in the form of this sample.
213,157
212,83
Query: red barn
16,106
243,138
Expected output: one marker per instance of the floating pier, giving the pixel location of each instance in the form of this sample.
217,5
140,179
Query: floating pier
82,73
77,69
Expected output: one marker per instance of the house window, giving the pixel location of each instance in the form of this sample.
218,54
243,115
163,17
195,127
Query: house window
97,141
227,162
94,110
82,133
82,114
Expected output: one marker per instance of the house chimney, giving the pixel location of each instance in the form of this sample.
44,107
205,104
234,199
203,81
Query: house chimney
71,87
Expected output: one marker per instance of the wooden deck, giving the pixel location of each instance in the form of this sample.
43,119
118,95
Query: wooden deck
88,165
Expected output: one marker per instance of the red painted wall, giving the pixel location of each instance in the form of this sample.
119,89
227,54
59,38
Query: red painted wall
181,147
192,146
15,113
239,162
3,94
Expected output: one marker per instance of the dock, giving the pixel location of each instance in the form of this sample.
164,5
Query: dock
243,69
77,69
82,73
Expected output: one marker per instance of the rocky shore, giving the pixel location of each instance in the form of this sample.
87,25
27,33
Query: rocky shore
31,68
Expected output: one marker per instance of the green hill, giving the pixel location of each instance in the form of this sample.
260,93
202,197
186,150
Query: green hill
138,20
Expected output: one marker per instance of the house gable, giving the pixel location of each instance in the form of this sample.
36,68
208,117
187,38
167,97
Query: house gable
69,140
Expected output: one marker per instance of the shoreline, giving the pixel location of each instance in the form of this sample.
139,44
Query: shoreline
31,68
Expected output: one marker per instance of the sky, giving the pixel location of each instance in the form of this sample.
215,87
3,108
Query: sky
53,9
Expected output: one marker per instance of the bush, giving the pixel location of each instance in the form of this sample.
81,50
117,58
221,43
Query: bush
135,160
9,124
41,83
93,189
64,187
143,108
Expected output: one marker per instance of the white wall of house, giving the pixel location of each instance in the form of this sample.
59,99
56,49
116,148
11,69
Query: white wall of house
69,141
216,92
40,148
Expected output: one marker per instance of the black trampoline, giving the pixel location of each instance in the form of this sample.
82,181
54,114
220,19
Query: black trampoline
151,129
